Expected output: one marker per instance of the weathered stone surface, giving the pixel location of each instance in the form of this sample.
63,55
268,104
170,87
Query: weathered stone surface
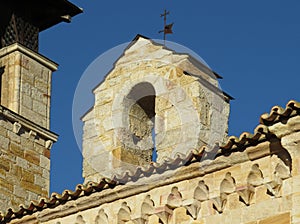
167,201
148,101
277,219
256,183
26,83
24,161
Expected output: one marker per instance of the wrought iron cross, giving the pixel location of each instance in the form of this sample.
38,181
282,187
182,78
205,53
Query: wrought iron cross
167,27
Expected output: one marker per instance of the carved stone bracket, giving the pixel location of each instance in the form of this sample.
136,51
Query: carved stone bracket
32,134
163,213
17,127
193,207
274,187
245,194
49,144
219,202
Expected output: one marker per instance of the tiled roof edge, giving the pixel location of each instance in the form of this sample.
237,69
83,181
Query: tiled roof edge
278,113
233,143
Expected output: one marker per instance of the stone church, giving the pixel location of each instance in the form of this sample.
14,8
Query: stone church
155,142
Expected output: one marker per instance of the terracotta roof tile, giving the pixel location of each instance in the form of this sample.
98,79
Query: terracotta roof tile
244,140
277,113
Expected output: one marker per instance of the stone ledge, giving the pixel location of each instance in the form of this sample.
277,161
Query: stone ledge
34,55
13,117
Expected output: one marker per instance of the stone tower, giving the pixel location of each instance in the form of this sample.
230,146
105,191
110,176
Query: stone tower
153,105
25,92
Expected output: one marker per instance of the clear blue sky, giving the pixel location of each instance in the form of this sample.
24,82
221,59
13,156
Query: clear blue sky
254,45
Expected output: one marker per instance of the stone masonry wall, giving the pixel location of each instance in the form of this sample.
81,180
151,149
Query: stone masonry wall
257,185
189,111
26,83
24,160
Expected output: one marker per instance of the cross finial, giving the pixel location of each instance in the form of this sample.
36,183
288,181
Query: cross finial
167,27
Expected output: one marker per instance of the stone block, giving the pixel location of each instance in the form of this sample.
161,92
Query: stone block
277,219
5,164
124,155
26,89
26,143
13,137
33,196
287,186
26,78
233,202
39,148
27,101
37,95
22,163
4,143
33,188
39,108
296,207
32,156
260,194
34,116
287,203
20,192
2,173
296,184
179,215
16,202
3,131
215,219
27,176
40,84
36,169
46,174
16,171
47,153
6,185
40,181
44,162
296,166
207,209
104,97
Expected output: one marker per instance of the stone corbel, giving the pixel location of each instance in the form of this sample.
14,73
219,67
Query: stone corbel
49,144
32,134
282,171
219,202
274,187
245,194
163,213
17,127
193,207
